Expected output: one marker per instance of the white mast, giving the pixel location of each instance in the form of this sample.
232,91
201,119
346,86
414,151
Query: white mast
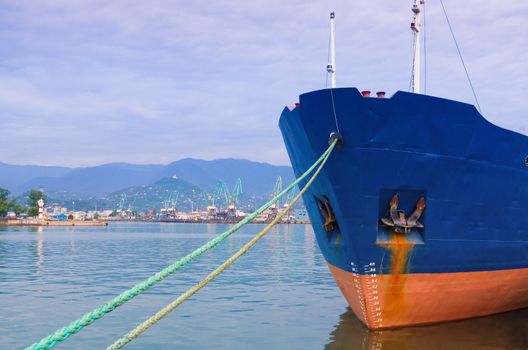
331,67
416,26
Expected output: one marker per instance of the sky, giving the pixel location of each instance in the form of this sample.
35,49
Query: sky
87,82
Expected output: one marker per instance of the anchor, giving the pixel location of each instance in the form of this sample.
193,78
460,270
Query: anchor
326,211
397,216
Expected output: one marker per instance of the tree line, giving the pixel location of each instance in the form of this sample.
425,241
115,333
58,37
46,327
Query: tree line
12,205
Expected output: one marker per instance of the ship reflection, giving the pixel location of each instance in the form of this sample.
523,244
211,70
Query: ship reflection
503,331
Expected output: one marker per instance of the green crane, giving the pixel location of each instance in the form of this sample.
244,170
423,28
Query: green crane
276,190
122,202
290,196
223,192
237,191
174,200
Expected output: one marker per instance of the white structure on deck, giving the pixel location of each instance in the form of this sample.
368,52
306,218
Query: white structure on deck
416,27
331,66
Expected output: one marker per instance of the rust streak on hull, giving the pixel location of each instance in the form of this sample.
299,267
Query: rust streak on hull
394,295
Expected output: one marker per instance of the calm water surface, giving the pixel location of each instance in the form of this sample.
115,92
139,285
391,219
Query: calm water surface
278,296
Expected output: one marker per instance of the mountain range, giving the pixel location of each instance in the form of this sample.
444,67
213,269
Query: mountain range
110,181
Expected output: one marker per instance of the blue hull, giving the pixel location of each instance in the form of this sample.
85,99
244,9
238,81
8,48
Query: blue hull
471,173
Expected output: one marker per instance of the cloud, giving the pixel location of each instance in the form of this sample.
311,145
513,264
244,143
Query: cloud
88,82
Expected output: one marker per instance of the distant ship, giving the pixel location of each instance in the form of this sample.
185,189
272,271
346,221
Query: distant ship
419,212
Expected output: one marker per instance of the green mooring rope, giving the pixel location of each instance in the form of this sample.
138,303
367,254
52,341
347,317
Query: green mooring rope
92,316
136,332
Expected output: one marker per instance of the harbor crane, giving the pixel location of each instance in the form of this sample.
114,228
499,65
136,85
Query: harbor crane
122,202
131,204
289,198
223,192
174,200
220,192
169,205
237,191
233,198
276,190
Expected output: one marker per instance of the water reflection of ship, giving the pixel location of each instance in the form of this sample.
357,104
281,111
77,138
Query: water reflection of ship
503,331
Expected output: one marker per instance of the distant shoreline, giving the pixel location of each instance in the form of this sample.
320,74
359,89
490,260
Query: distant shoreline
43,222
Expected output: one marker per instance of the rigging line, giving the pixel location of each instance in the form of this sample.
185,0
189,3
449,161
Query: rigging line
460,55
425,49
333,107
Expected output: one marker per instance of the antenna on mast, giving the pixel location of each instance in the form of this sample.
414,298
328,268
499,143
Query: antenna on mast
330,67
416,26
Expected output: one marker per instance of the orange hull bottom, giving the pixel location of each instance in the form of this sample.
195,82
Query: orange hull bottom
398,300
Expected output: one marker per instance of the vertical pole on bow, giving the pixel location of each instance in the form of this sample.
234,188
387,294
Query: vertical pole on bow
331,67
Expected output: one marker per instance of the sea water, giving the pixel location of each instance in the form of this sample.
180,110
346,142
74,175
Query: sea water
280,295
